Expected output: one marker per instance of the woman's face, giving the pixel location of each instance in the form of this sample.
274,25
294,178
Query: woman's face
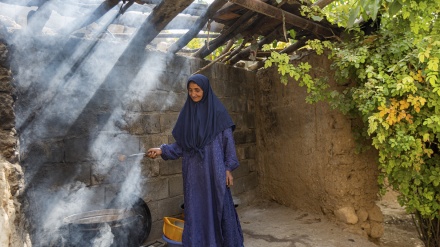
195,92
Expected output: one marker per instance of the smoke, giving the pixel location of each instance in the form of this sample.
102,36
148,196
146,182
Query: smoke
72,114
105,237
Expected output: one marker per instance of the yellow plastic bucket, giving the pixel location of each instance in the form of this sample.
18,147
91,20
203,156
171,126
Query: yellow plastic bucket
173,228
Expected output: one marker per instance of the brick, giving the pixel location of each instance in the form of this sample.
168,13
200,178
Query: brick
176,185
176,101
156,189
252,165
242,170
240,152
131,104
238,186
152,101
235,105
103,172
48,152
238,120
170,167
249,120
244,136
56,175
167,122
156,231
196,64
181,63
219,87
172,82
141,124
150,167
154,210
250,152
219,72
163,101
170,207
154,140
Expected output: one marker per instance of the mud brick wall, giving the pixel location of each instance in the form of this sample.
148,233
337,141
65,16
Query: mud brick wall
307,155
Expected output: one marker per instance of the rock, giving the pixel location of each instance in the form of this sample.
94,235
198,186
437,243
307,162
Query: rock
362,214
375,214
6,112
347,215
366,227
11,175
377,229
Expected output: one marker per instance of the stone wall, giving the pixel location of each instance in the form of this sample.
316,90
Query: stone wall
12,231
307,153
81,113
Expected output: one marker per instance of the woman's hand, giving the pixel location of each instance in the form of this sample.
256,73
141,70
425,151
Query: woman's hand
153,152
229,179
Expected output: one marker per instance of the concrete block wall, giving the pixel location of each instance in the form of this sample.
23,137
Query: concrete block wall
74,123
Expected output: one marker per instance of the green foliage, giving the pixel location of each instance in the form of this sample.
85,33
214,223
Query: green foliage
397,93
313,13
394,87
316,88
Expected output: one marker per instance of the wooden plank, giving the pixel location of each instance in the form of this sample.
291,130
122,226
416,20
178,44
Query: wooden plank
162,14
281,15
227,16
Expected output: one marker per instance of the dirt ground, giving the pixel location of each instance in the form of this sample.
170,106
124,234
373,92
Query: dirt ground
269,224
399,227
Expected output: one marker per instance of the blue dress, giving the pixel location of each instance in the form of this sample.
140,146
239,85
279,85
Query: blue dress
210,216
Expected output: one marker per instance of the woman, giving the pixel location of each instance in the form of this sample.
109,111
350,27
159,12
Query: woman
204,140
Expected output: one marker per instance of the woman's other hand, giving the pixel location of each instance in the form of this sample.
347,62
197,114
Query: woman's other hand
229,179
153,152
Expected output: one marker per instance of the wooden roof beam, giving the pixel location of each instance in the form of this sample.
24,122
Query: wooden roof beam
198,25
241,24
162,14
281,15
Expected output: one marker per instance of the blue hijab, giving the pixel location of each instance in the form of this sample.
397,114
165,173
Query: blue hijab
200,122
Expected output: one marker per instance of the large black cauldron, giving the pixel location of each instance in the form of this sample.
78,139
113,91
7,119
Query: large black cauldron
127,227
